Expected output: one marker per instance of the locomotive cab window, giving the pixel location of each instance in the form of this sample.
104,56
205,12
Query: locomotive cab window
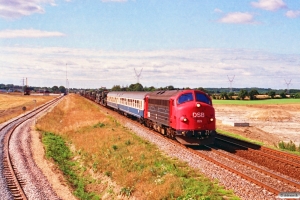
185,98
202,98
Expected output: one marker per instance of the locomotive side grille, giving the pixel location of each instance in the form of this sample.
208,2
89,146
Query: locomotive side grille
159,110
159,102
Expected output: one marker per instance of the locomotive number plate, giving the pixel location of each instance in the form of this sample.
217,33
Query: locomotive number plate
198,114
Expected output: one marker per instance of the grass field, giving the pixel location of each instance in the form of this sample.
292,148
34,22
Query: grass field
256,102
11,105
102,145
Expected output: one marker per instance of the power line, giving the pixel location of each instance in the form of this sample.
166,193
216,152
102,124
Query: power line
138,75
231,80
288,85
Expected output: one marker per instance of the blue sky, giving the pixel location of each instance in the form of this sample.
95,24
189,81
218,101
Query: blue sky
184,43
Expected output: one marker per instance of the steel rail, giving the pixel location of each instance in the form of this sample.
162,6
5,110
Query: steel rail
13,182
293,183
288,156
294,164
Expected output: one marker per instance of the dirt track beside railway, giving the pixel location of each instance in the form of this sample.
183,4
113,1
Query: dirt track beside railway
268,123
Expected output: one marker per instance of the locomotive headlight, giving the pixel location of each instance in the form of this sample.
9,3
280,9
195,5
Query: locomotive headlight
198,105
183,119
211,119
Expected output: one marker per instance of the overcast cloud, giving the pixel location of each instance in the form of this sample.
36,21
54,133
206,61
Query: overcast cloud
180,43
189,68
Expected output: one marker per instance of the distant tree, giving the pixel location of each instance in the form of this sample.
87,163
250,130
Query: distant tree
151,88
202,89
136,87
230,95
243,94
297,96
272,94
282,95
170,87
116,88
62,89
224,96
54,89
252,94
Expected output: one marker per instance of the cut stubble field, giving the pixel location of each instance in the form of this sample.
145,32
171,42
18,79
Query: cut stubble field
271,121
11,105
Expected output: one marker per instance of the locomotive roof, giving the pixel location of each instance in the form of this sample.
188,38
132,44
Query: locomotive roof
165,94
131,95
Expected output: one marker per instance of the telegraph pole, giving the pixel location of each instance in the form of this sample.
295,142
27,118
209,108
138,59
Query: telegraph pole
66,77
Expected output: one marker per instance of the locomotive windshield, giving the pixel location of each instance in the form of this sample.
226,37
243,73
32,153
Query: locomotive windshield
202,98
185,97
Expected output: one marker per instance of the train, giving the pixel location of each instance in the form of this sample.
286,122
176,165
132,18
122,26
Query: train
185,115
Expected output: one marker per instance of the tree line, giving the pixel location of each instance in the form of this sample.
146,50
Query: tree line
240,95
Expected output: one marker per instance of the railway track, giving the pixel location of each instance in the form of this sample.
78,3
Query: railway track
12,181
256,174
285,163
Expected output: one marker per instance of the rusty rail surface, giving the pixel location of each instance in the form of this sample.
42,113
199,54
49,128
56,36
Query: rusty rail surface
249,145
276,160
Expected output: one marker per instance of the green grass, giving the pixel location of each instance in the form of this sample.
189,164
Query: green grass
282,146
57,149
256,102
239,137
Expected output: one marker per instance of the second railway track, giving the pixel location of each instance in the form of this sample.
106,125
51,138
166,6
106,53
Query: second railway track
12,180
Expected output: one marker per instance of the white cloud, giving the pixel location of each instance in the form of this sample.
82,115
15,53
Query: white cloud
217,10
293,13
237,18
180,68
28,33
18,8
271,5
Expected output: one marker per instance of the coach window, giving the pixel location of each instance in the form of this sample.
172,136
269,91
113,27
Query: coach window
185,98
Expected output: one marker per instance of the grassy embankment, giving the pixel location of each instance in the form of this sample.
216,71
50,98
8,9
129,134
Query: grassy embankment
289,147
11,104
101,145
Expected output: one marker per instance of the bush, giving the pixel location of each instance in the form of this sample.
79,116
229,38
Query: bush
297,96
288,146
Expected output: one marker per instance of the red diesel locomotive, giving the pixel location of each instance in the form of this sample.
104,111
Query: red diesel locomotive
185,115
